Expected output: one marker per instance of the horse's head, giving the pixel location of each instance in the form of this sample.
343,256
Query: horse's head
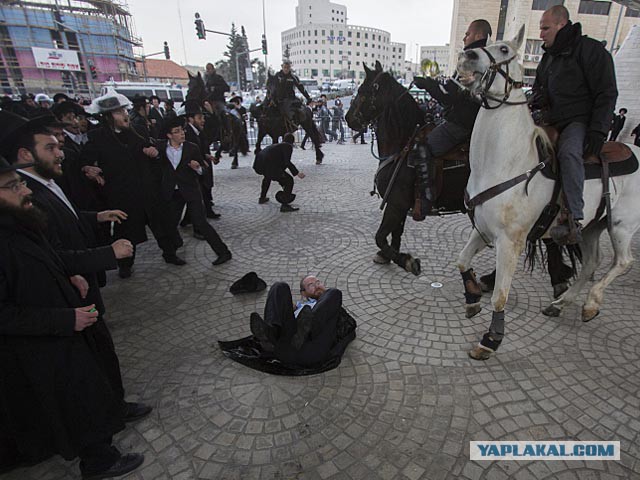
377,90
270,86
492,71
195,88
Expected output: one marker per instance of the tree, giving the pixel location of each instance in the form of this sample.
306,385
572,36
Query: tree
237,44
429,67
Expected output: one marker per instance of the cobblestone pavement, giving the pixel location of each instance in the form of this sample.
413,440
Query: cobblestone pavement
406,400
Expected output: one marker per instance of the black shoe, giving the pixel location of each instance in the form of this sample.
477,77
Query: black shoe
225,257
174,260
303,327
125,464
233,166
136,411
212,214
124,272
288,208
263,200
262,332
198,236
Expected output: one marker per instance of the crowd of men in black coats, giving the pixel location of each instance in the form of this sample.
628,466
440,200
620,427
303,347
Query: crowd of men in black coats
74,202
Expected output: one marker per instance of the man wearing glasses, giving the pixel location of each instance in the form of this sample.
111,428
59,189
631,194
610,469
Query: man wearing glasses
55,396
301,333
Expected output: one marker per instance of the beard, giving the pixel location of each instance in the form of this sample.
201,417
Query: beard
29,217
45,171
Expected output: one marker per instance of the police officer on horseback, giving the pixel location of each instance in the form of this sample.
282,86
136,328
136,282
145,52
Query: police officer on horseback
460,114
216,87
284,94
575,87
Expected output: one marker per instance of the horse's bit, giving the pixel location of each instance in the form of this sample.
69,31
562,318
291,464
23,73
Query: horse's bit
488,78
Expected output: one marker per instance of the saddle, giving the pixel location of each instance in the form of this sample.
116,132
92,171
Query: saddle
451,169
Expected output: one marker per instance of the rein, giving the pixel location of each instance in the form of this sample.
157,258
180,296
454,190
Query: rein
489,76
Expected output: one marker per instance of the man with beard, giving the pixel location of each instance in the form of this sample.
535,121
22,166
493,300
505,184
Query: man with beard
461,111
575,87
71,230
79,182
303,333
132,180
54,396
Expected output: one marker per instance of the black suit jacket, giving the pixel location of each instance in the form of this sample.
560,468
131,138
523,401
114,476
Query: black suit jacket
73,239
184,177
274,160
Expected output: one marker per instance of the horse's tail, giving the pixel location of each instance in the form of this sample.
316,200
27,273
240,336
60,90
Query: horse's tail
545,142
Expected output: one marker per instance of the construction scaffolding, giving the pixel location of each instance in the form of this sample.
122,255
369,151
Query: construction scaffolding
100,32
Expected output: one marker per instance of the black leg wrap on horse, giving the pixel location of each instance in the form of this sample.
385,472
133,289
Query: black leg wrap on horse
496,330
470,297
489,343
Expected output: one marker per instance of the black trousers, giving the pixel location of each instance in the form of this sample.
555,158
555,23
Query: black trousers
359,134
285,181
199,220
278,312
164,233
98,456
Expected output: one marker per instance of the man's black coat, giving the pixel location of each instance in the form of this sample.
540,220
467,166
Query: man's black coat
274,160
78,188
184,177
576,81
206,179
131,181
54,397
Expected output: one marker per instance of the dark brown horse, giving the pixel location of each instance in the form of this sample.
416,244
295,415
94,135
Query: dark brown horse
271,122
234,141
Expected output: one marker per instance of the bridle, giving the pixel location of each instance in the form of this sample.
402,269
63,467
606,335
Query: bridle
489,76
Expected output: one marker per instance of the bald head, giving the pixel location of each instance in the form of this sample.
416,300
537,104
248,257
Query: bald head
478,30
551,22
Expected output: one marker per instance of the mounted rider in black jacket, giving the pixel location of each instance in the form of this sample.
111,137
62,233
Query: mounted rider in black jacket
575,87
460,114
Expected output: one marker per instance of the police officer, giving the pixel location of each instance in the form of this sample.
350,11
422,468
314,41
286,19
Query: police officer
576,88
460,115
285,96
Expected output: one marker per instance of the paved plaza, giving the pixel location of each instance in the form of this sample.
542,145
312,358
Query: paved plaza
406,400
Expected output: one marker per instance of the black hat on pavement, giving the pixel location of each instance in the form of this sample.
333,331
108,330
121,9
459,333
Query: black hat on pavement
248,284
6,167
284,198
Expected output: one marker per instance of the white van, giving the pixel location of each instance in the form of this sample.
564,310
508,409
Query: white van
347,84
163,91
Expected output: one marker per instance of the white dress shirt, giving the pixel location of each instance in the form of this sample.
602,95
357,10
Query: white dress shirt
53,186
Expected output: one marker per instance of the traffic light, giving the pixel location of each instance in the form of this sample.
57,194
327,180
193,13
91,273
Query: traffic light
167,55
200,31
92,69
264,45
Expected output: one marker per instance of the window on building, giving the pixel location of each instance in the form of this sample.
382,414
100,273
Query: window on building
325,73
331,32
545,4
357,44
357,34
324,61
533,47
365,54
357,54
314,72
592,7
348,44
315,42
323,33
632,13
315,33
349,34
366,35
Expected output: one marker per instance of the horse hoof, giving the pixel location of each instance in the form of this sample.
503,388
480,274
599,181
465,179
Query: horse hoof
559,289
380,260
589,314
551,311
412,265
472,309
479,353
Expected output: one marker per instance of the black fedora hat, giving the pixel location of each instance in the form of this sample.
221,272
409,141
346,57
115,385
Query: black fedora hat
248,284
284,198
10,124
6,167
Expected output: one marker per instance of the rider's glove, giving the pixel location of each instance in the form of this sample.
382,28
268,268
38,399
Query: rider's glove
424,83
593,143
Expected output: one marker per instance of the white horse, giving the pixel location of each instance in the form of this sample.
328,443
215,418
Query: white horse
503,147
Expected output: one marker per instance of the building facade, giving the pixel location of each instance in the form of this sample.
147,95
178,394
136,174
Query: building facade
602,20
323,45
437,53
71,46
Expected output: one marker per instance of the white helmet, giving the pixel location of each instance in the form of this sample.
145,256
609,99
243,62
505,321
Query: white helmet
43,97
111,100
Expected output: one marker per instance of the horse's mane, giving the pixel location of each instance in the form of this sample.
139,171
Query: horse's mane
401,114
